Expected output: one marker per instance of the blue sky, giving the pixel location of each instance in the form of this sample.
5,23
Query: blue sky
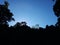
33,12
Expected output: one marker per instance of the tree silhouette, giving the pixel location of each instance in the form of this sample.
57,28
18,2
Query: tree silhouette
22,34
56,8
5,14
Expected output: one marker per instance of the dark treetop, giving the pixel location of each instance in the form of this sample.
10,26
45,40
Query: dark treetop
21,34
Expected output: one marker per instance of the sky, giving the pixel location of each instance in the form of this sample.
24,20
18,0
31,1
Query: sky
32,11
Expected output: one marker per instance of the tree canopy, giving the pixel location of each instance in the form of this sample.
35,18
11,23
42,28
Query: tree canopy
56,8
5,14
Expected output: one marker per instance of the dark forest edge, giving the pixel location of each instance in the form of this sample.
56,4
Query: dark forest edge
6,16
21,33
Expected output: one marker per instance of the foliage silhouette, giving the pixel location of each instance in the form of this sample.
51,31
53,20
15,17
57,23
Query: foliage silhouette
56,8
22,34
5,14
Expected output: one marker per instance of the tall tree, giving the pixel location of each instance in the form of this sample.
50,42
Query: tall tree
56,8
5,14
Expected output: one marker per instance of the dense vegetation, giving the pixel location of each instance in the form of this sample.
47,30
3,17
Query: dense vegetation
22,34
